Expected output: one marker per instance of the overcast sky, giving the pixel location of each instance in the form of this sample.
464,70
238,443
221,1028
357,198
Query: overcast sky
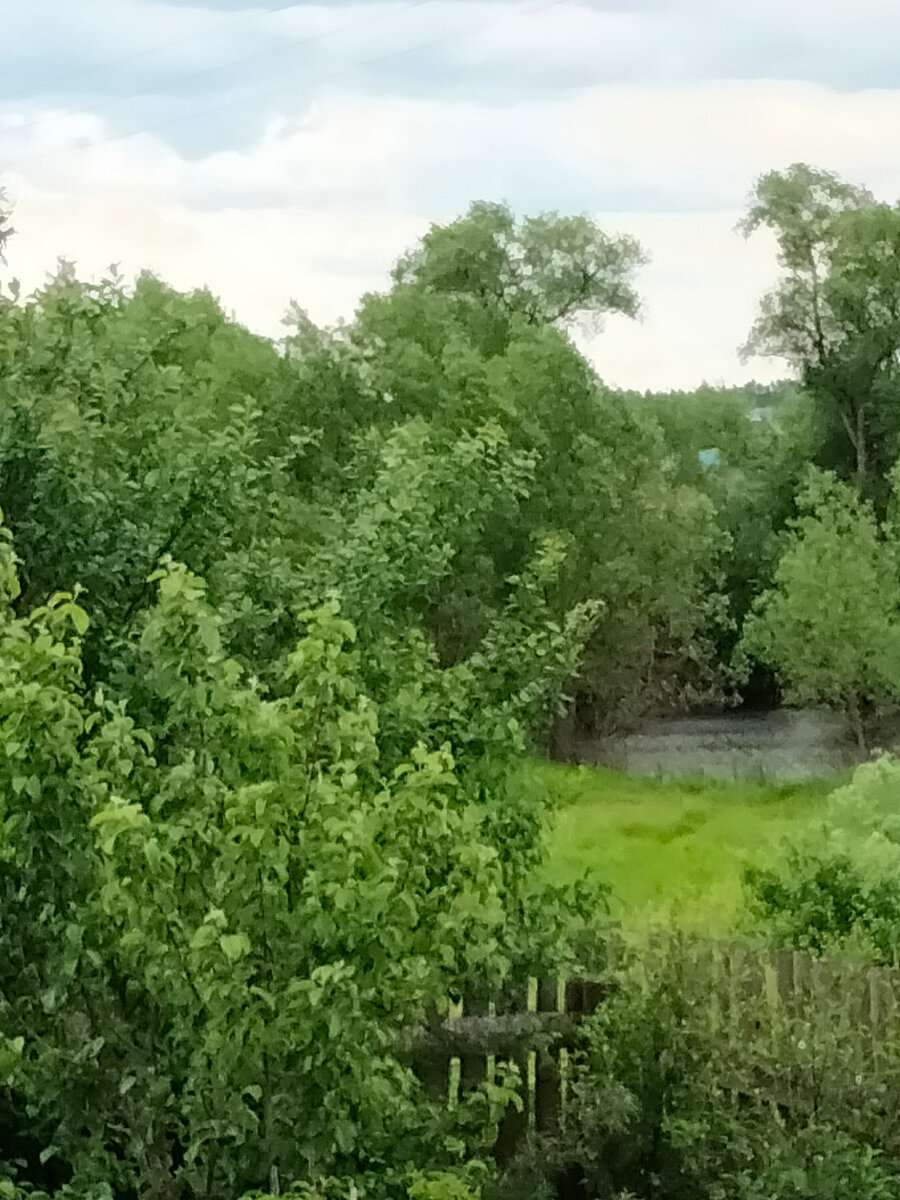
292,151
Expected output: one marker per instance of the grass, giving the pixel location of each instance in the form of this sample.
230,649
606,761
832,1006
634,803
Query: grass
672,851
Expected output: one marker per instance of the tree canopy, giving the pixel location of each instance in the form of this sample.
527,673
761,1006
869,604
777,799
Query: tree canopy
834,314
279,621
830,624
541,269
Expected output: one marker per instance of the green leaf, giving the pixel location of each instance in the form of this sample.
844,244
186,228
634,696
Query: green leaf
78,617
234,945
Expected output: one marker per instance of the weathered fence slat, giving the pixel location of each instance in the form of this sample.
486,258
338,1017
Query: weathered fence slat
473,1062
529,1023
533,1023
547,1081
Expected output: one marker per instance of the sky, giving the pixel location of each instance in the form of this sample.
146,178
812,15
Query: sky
278,152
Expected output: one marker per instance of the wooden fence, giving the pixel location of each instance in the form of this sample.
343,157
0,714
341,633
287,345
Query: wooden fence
757,986
754,994
532,1024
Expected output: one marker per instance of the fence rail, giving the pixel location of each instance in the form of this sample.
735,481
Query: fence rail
532,1024
535,1023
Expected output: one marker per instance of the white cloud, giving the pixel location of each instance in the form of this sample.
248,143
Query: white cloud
499,48
700,288
322,202
255,261
678,148
700,291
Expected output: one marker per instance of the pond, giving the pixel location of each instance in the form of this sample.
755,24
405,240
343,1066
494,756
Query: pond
782,746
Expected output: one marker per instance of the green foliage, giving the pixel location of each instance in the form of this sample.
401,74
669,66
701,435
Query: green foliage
442,1185
463,1184
829,625
279,624
834,314
214,933
142,423
818,902
129,431
838,882
764,438
257,821
454,343
675,1095
543,269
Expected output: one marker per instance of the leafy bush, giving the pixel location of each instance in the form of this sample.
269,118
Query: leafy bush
829,624
214,933
818,902
679,1093
463,1184
839,884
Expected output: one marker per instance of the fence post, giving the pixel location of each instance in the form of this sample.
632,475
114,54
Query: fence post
785,969
473,1066
547,1098
432,1063
514,1123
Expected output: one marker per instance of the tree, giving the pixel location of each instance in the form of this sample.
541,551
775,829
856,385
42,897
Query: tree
473,331
543,269
835,315
218,792
761,458
830,624
214,934
129,430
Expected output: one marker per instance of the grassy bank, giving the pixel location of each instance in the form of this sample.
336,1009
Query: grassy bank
671,850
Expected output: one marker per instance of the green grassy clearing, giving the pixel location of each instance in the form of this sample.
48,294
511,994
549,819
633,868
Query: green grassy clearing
673,851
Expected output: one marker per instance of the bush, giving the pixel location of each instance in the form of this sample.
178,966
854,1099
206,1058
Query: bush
678,1094
828,625
840,884
215,934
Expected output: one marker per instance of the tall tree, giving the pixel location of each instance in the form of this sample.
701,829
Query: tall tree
474,331
835,314
542,269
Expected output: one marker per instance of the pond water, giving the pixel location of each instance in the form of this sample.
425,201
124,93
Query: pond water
783,746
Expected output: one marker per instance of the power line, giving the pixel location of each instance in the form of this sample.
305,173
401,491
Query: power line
281,89
203,72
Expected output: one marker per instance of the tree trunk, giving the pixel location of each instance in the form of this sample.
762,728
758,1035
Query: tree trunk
856,723
856,435
862,456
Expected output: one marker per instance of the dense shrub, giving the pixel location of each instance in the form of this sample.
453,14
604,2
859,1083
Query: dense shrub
216,927
829,624
682,1092
839,884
